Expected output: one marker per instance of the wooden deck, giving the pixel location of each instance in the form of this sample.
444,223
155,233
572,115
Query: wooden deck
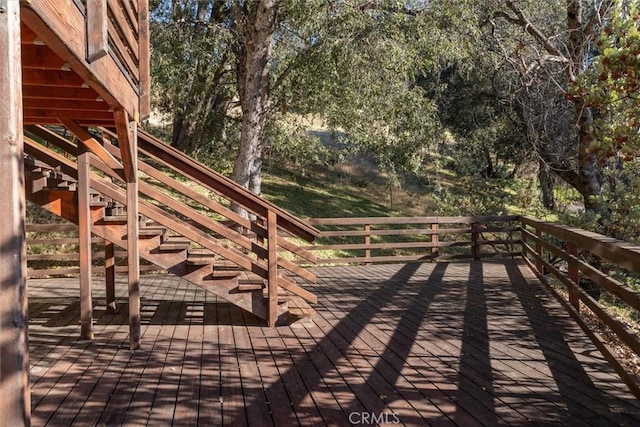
479,343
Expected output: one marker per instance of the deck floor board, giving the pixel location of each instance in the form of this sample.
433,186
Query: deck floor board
477,343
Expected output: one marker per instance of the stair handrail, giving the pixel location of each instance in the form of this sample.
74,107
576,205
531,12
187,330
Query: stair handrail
170,156
148,169
116,193
228,232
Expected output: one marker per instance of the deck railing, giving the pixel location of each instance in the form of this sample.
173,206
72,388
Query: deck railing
572,262
586,264
405,239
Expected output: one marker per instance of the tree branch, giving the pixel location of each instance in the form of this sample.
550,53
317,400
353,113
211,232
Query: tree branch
531,29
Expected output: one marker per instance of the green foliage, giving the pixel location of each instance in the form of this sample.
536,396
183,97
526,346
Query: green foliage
360,73
288,142
620,217
611,85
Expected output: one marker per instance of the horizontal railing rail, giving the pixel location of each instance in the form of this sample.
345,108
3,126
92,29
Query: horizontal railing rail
221,185
405,239
584,264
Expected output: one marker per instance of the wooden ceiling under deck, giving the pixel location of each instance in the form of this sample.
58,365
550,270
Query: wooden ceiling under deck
53,91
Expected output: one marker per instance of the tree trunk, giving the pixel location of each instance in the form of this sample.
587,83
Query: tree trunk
546,185
255,23
183,129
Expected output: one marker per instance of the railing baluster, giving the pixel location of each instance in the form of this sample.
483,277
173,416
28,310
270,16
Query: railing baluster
110,275
272,245
539,251
475,249
367,241
97,38
435,238
574,275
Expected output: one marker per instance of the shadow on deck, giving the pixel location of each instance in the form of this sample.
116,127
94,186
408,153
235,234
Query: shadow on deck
479,343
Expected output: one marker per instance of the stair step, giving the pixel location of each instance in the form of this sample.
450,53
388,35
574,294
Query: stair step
160,230
245,285
299,307
283,299
224,274
222,265
201,253
115,219
200,256
173,244
144,233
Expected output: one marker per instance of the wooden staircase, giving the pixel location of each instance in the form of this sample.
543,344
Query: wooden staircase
247,262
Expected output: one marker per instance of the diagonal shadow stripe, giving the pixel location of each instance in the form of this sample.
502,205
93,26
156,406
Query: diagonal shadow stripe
475,357
569,374
374,302
406,331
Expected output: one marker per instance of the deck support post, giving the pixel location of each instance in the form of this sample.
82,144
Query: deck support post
84,243
272,247
128,141
110,275
574,275
15,404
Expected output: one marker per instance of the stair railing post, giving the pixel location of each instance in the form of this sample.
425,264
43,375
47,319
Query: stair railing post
110,275
539,252
15,404
272,248
475,248
434,241
574,275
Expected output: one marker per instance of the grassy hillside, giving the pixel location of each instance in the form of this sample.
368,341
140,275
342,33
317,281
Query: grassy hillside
346,190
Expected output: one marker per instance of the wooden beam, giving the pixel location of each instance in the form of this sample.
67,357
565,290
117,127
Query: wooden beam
272,244
61,26
28,35
15,402
94,146
77,115
88,122
84,242
52,78
128,147
97,38
53,92
65,104
43,58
